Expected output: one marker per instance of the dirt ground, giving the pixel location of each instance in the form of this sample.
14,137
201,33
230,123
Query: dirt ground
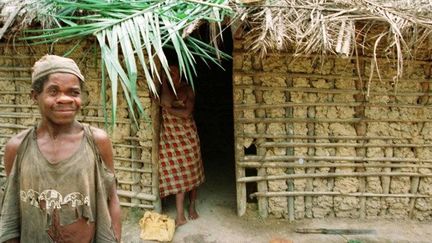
218,222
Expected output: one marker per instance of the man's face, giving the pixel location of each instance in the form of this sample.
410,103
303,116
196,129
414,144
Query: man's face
60,100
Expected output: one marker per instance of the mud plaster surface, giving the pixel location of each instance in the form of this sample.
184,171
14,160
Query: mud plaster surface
381,93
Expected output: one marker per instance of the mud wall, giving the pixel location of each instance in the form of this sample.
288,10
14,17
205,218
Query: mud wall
133,148
330,141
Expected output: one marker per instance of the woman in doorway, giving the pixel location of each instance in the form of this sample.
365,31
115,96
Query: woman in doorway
180,170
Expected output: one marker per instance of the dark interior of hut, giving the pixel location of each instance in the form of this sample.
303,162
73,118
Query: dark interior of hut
214,119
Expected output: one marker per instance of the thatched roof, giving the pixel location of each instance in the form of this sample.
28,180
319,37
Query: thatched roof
398,29
336,26
319,26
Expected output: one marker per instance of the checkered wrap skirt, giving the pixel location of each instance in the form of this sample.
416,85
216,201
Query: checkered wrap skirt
181,168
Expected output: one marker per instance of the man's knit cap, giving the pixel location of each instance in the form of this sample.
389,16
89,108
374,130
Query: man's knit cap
49,64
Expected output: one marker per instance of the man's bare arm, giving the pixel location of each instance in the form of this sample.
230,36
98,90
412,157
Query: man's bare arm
10,152
105,149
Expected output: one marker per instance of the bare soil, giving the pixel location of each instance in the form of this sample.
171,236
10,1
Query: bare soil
218,222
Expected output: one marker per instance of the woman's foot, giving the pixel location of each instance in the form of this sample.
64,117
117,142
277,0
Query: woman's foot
193,214
180,221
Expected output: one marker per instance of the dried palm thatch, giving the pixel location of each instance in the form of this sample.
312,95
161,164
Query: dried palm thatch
342,27
396,29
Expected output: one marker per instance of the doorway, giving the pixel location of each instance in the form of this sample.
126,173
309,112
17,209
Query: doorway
213,114
214,119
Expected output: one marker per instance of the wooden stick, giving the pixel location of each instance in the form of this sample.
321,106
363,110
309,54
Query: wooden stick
330,104
329,165
18,115
240,172
134,205
353,194
327,175
135,154
291,74
310,170
138,195
131,146
262,185
156,123
85,107
415,182
331,57
129,182
329,91
335,231
361,129
322,120
13,69
133,169
132,160
331,158
290,151
13,126
357,145
287,136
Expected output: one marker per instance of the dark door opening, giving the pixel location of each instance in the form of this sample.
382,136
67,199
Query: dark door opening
214,119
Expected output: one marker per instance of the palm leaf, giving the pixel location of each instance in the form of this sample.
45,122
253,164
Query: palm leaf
127,31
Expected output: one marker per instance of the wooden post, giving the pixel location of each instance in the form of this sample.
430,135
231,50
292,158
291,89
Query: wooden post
238,147
155,118
262,185
361,132
290,151
311,152
135,152
240,171
415,181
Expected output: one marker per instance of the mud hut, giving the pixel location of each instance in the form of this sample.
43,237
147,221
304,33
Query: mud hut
330,104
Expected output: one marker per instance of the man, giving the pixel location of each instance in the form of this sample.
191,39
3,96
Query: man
61,183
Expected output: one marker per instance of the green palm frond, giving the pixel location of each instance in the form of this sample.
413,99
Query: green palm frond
133,31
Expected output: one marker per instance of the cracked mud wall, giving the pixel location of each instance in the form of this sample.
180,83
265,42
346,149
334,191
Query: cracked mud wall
318,116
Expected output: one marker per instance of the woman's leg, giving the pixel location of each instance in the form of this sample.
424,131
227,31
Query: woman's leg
192,207
181,219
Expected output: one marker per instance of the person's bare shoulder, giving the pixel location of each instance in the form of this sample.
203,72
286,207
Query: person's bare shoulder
99,135
103,143
11,149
